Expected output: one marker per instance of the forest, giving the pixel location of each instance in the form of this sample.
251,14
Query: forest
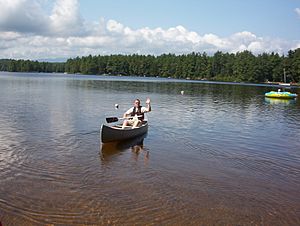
237,67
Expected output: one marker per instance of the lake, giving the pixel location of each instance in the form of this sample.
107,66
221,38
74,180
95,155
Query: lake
220,154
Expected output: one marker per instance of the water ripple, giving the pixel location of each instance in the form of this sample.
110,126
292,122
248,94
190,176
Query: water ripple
217,155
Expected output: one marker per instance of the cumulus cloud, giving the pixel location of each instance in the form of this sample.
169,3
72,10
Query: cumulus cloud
28,16
22,16
27,31
9,36
66,19
297,10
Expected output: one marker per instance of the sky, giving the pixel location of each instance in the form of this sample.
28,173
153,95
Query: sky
55,30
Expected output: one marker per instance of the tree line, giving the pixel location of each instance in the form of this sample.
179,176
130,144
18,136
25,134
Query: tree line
30,66
240,67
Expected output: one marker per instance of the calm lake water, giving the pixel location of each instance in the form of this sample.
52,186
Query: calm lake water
221,154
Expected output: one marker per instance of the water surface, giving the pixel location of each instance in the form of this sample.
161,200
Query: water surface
221,154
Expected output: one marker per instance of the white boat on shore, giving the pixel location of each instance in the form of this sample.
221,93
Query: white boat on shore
284,84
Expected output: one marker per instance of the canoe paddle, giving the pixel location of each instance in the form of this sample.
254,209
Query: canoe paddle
115,119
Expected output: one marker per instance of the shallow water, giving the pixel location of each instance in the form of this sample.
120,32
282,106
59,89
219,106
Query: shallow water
221,154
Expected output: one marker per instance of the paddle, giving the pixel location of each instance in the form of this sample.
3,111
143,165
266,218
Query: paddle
112,119
115,119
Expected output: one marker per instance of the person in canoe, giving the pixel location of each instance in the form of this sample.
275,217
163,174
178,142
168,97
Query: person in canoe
137,113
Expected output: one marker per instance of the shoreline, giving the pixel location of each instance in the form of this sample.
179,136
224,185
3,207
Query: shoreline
162,79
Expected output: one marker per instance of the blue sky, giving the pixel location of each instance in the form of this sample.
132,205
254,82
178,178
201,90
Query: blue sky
60,29
274,18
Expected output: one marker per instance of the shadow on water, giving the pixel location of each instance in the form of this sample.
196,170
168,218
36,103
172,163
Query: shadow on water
109,150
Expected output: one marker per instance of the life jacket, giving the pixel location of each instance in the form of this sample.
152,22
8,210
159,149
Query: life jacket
138,112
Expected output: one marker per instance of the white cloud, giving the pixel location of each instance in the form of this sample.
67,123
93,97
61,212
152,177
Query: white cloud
214,40
22,16
9,36
115,27
66,19
297,10
27,31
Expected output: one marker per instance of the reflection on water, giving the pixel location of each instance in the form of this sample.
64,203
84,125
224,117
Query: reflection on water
113,148
280,101
111,151
219,154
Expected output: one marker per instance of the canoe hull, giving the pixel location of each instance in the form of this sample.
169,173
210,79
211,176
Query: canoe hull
112,134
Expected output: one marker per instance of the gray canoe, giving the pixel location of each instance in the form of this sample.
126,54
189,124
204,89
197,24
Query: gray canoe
116,133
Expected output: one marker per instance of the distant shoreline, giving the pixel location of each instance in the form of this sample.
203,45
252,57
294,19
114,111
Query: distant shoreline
227,67
137,78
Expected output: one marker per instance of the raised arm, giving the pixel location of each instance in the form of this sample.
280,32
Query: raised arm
148,105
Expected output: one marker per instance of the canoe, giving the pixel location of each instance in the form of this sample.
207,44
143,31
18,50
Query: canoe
116,133
283,95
